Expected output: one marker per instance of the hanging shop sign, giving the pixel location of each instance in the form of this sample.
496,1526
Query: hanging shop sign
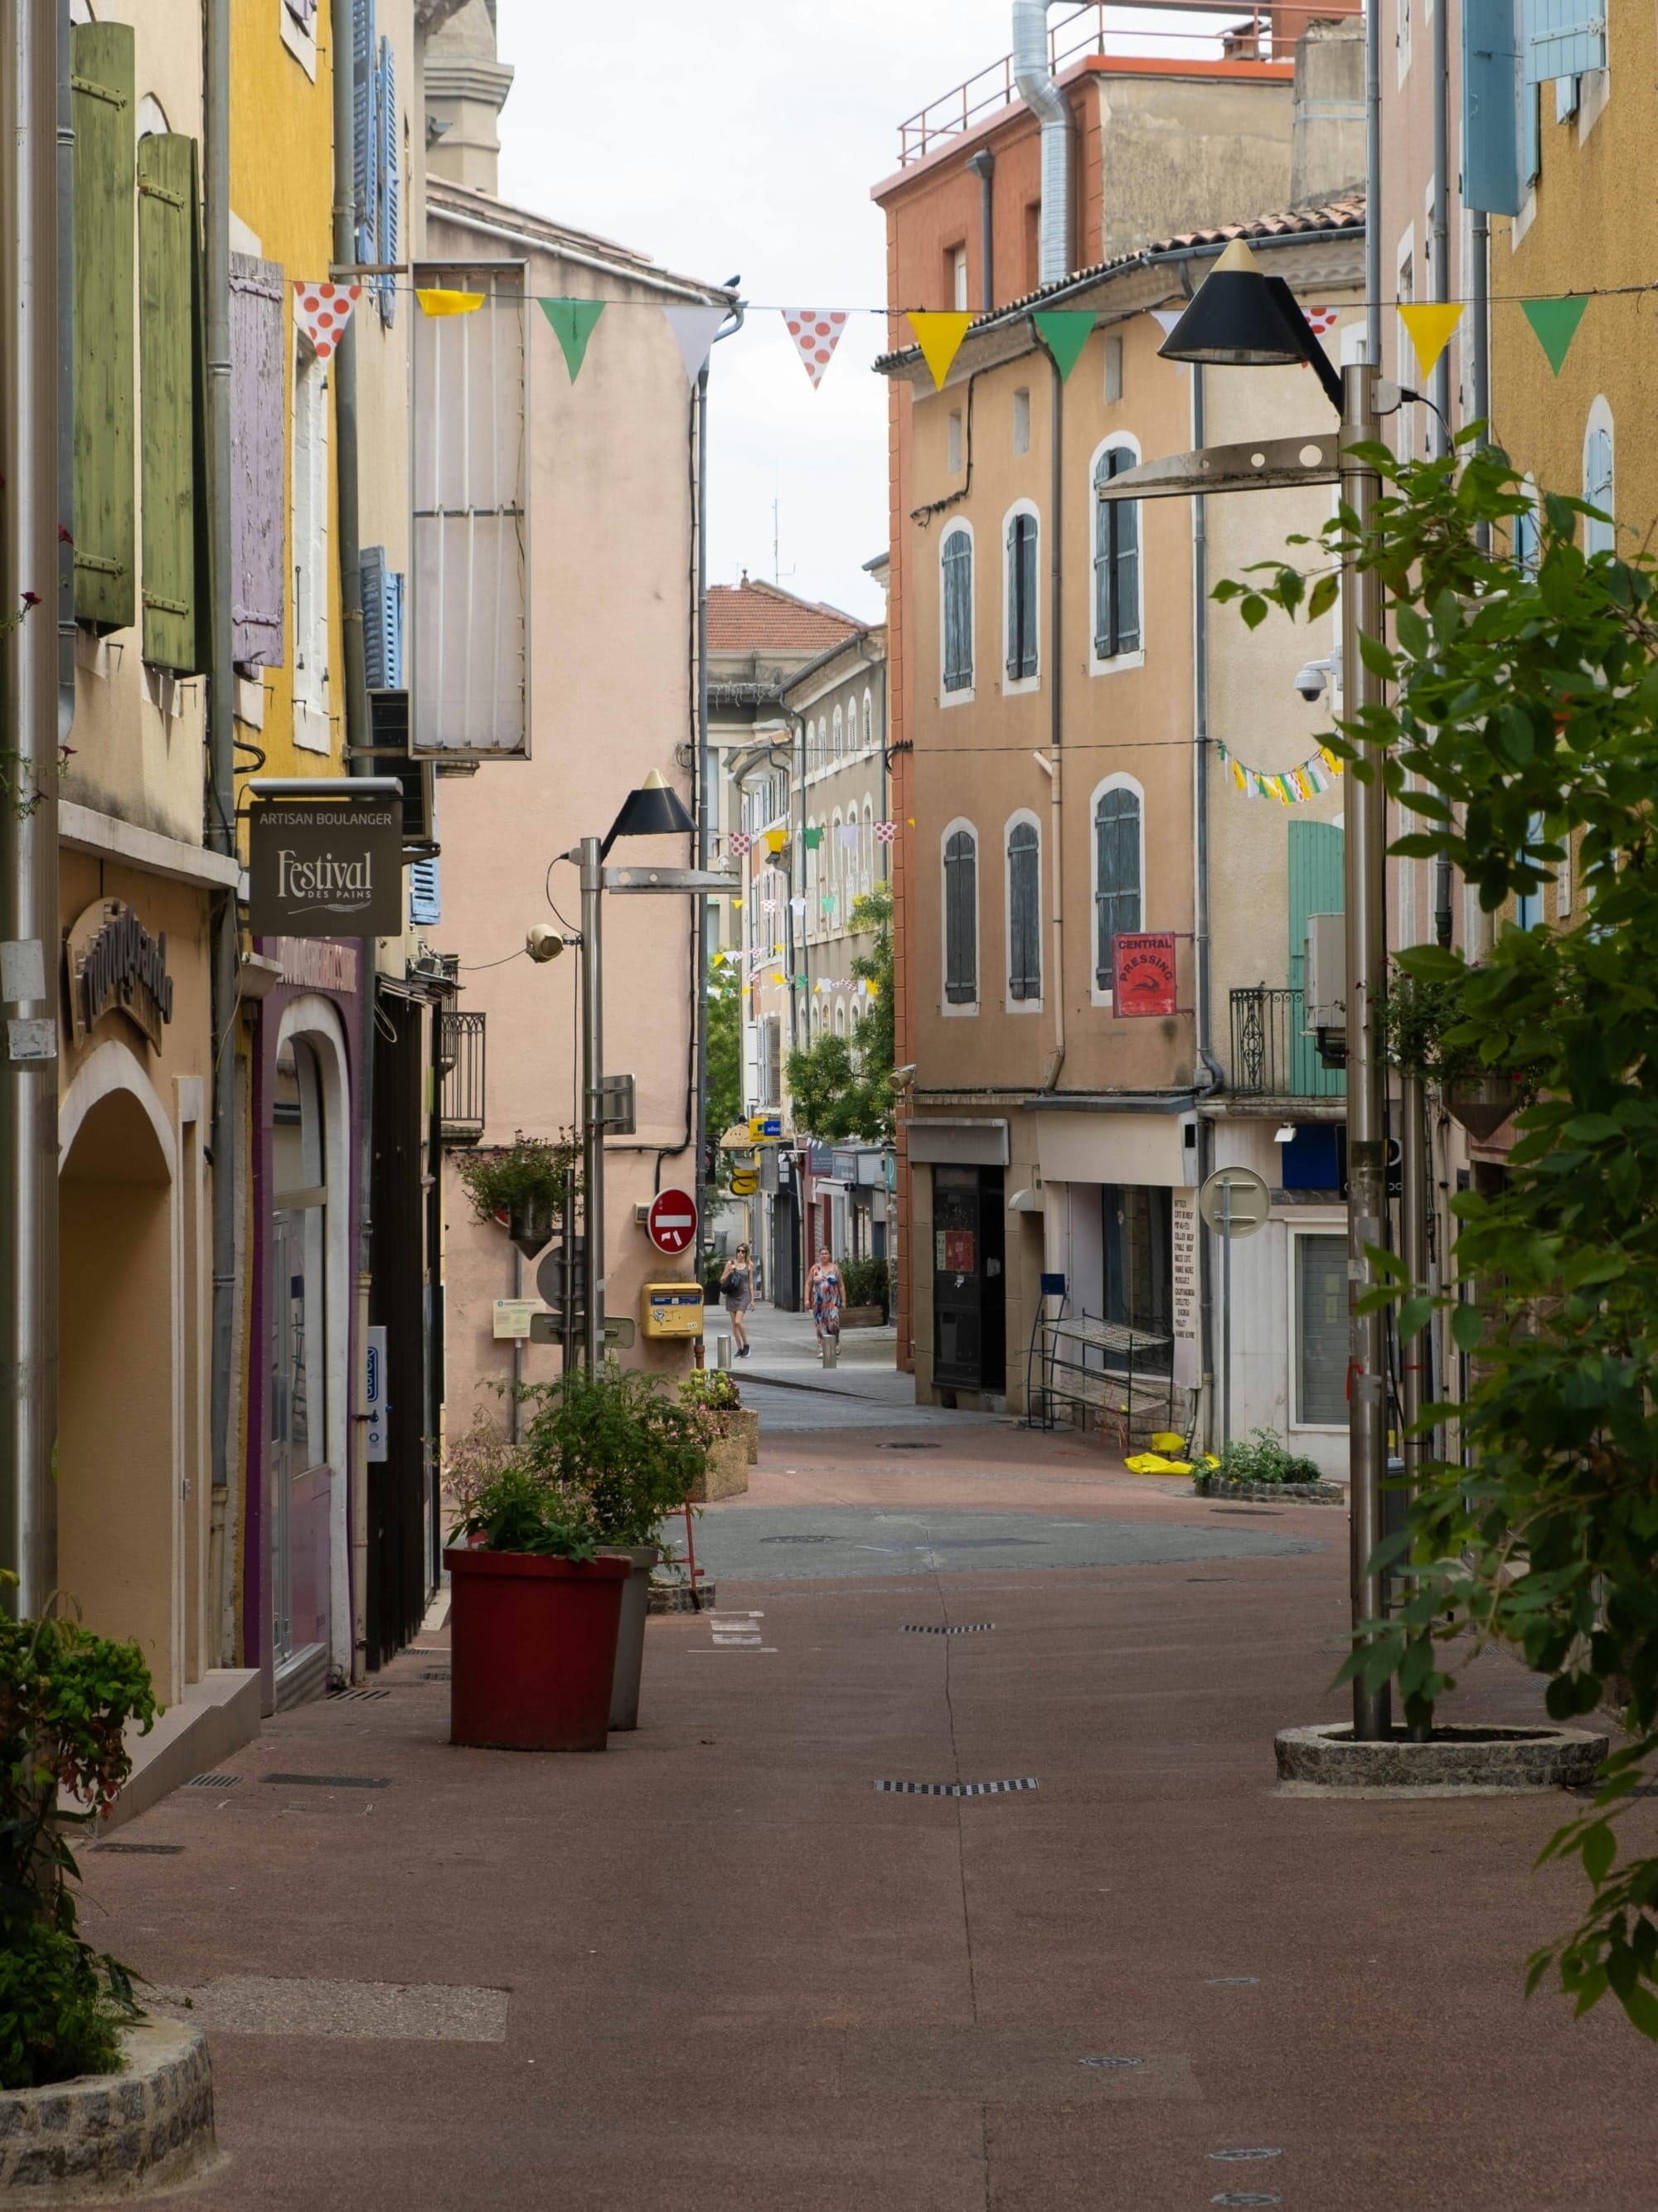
115,966
326,867
1142,975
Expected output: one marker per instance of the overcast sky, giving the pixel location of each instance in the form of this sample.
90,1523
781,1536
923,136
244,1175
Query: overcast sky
728,136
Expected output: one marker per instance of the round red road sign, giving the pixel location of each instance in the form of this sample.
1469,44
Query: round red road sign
671,1222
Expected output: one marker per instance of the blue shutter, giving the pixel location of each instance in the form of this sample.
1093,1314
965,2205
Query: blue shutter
1562,38
393,600
375,651
425,903
391,182
365,128
1492,101
1531,136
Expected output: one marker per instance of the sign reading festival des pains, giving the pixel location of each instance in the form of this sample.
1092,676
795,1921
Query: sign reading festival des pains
326,867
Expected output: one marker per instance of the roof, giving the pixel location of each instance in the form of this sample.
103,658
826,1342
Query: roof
756,617
1325,218
444,197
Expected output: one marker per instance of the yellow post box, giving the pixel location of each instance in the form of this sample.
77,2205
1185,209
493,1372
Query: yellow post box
671,1309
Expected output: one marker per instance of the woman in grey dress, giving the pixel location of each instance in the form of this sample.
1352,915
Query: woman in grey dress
736,1288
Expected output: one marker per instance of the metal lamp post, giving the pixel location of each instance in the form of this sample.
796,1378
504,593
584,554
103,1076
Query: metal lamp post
1242,317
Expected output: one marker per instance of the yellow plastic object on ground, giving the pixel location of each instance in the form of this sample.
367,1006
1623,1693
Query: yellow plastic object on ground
1156,1463
1166,1441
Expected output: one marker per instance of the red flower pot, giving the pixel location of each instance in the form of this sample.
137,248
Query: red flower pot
534,1649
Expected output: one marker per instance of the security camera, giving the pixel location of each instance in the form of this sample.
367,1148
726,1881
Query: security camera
1310,678
544,943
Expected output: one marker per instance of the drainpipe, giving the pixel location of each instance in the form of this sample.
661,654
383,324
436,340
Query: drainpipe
1034,77
1051,769
357,740
1203,992
1373,185
1439,222
983,167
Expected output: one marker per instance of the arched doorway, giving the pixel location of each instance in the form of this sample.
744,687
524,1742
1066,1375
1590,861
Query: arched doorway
120,1547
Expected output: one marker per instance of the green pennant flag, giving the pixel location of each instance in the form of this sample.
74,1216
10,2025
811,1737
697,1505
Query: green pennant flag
573,323
1064,332
1554,323
813,839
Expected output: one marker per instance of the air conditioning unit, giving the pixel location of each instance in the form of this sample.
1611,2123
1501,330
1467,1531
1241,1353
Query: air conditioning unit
388,714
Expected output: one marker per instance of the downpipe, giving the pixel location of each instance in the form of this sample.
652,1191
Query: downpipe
1034,77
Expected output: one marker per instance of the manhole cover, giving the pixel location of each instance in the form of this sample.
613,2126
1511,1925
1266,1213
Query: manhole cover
1104,2063
1239,2156
956,1788
330,1781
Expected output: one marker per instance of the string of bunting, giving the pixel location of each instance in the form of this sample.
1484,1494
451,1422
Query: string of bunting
1289,786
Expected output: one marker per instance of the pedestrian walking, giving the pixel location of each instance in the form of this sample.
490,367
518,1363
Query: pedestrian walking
823,1289
737,1289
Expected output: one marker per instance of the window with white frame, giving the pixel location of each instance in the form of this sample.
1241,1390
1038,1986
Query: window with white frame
869,721
867,847
1599,536
1021,611
1024,921
838,741
1119,831
310,557
960,917
1022,420
956,562
1116,559
1318,1335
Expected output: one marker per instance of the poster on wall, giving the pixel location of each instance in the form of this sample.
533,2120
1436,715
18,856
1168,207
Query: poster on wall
326,867
1143,974
1184,1285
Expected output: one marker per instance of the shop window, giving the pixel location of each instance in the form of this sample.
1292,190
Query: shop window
1320,1333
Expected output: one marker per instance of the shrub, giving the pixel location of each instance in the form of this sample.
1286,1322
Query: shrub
517,1510
714,1389
867,1282
65,1700
617,1444
1264,1459
528,1172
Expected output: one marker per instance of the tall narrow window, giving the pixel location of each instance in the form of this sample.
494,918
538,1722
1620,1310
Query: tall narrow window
1022,420
956,556
961,918
1116,561
869,720
957,271
1116,876
1021,535
1321,1328
310,553
839,736
1024,921
1598,536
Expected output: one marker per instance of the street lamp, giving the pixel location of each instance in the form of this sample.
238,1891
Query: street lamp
654,809
1241,317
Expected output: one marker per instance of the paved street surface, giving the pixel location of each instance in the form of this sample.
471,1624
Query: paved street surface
719,1966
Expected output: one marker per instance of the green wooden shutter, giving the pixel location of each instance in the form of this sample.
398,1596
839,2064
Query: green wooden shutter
167,381
103,73
1316,886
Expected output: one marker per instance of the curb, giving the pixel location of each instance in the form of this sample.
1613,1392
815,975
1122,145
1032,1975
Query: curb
1324,1761
105,2136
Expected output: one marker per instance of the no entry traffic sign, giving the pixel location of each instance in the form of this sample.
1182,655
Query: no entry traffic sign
671,1221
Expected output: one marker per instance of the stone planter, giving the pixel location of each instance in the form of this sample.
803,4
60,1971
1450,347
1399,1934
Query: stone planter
728,1472
1301,1493
748,1427
1458,1758
630,1636
111,2136
863,1317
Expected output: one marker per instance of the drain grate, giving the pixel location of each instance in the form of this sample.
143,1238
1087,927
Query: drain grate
956,1788
437,1674
356,1696
213,1782
912,1447
1234,1981
143,1851
800,1540
966,1628
330,1781
1245,2196
1104,2063
1239,2156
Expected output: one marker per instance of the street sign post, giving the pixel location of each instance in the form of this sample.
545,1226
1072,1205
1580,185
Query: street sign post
1233,1202
671,1224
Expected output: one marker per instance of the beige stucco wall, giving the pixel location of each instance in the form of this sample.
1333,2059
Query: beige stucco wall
1179,152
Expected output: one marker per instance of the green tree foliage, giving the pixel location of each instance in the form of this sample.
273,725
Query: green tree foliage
1522,704
842,1088
725,1035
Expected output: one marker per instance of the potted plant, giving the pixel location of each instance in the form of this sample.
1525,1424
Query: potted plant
712,1391
867,1286
1421,1017
523,1184
533,1618
623,1454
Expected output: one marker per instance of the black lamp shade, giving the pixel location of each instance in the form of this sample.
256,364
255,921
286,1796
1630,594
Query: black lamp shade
1242,318
654,809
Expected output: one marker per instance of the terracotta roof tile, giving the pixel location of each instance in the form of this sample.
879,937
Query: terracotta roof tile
757,618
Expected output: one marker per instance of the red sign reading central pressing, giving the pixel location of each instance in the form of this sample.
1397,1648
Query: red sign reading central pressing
1143,974
671,1222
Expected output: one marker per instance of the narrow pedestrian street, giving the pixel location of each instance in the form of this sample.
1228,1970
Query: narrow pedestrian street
742,1960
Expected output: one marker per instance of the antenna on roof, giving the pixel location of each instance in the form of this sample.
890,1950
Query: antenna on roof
777,574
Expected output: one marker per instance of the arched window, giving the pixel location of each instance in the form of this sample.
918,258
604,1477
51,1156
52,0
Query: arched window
1527,538
838,741
1118,829
1024,919
961,918
869,721
867,847
955,561
1598,536
1021,611
839,1018
1116,560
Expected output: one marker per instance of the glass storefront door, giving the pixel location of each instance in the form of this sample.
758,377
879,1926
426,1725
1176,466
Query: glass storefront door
970,1298
302,1480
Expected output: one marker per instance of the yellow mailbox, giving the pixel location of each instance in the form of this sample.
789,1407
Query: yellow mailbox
671,1309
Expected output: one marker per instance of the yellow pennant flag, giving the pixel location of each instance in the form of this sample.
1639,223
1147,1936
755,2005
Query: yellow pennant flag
439,302
775,839
940,336
1430,325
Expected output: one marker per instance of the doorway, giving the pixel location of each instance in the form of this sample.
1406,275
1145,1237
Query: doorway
970,1290
301,1476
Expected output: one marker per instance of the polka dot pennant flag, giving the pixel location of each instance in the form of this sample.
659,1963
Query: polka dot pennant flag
816,332
1320,319
885,832
323,310
740,841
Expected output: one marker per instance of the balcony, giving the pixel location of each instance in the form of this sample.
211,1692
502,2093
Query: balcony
1273,1057
460,1070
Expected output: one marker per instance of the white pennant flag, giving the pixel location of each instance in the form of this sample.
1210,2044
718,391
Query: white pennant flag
323,310
1166,319
693,330
816,332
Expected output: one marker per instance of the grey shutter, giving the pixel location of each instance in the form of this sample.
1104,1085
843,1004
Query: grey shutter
958,612
1024,931
1116,876
257,396
375,654
961,919
391,186
1103,511
1125,562
1014,570
365,128
1025,525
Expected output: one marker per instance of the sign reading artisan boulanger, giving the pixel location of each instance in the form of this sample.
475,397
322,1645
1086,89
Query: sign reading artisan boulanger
325,867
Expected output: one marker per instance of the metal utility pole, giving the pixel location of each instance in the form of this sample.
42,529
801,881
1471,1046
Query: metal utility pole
1365,869
35,369
590,854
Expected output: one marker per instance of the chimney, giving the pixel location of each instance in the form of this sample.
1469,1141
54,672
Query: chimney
1327,139
466,88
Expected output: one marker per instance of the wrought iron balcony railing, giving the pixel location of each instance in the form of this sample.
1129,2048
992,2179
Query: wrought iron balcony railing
1272,1055
460,1065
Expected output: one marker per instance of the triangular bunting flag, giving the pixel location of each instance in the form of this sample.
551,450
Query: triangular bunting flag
436,302
812,838
1554,324
1430,323
1064,332
939,333
816,332
1320,319
322,312
693,330
1166,319
573,323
